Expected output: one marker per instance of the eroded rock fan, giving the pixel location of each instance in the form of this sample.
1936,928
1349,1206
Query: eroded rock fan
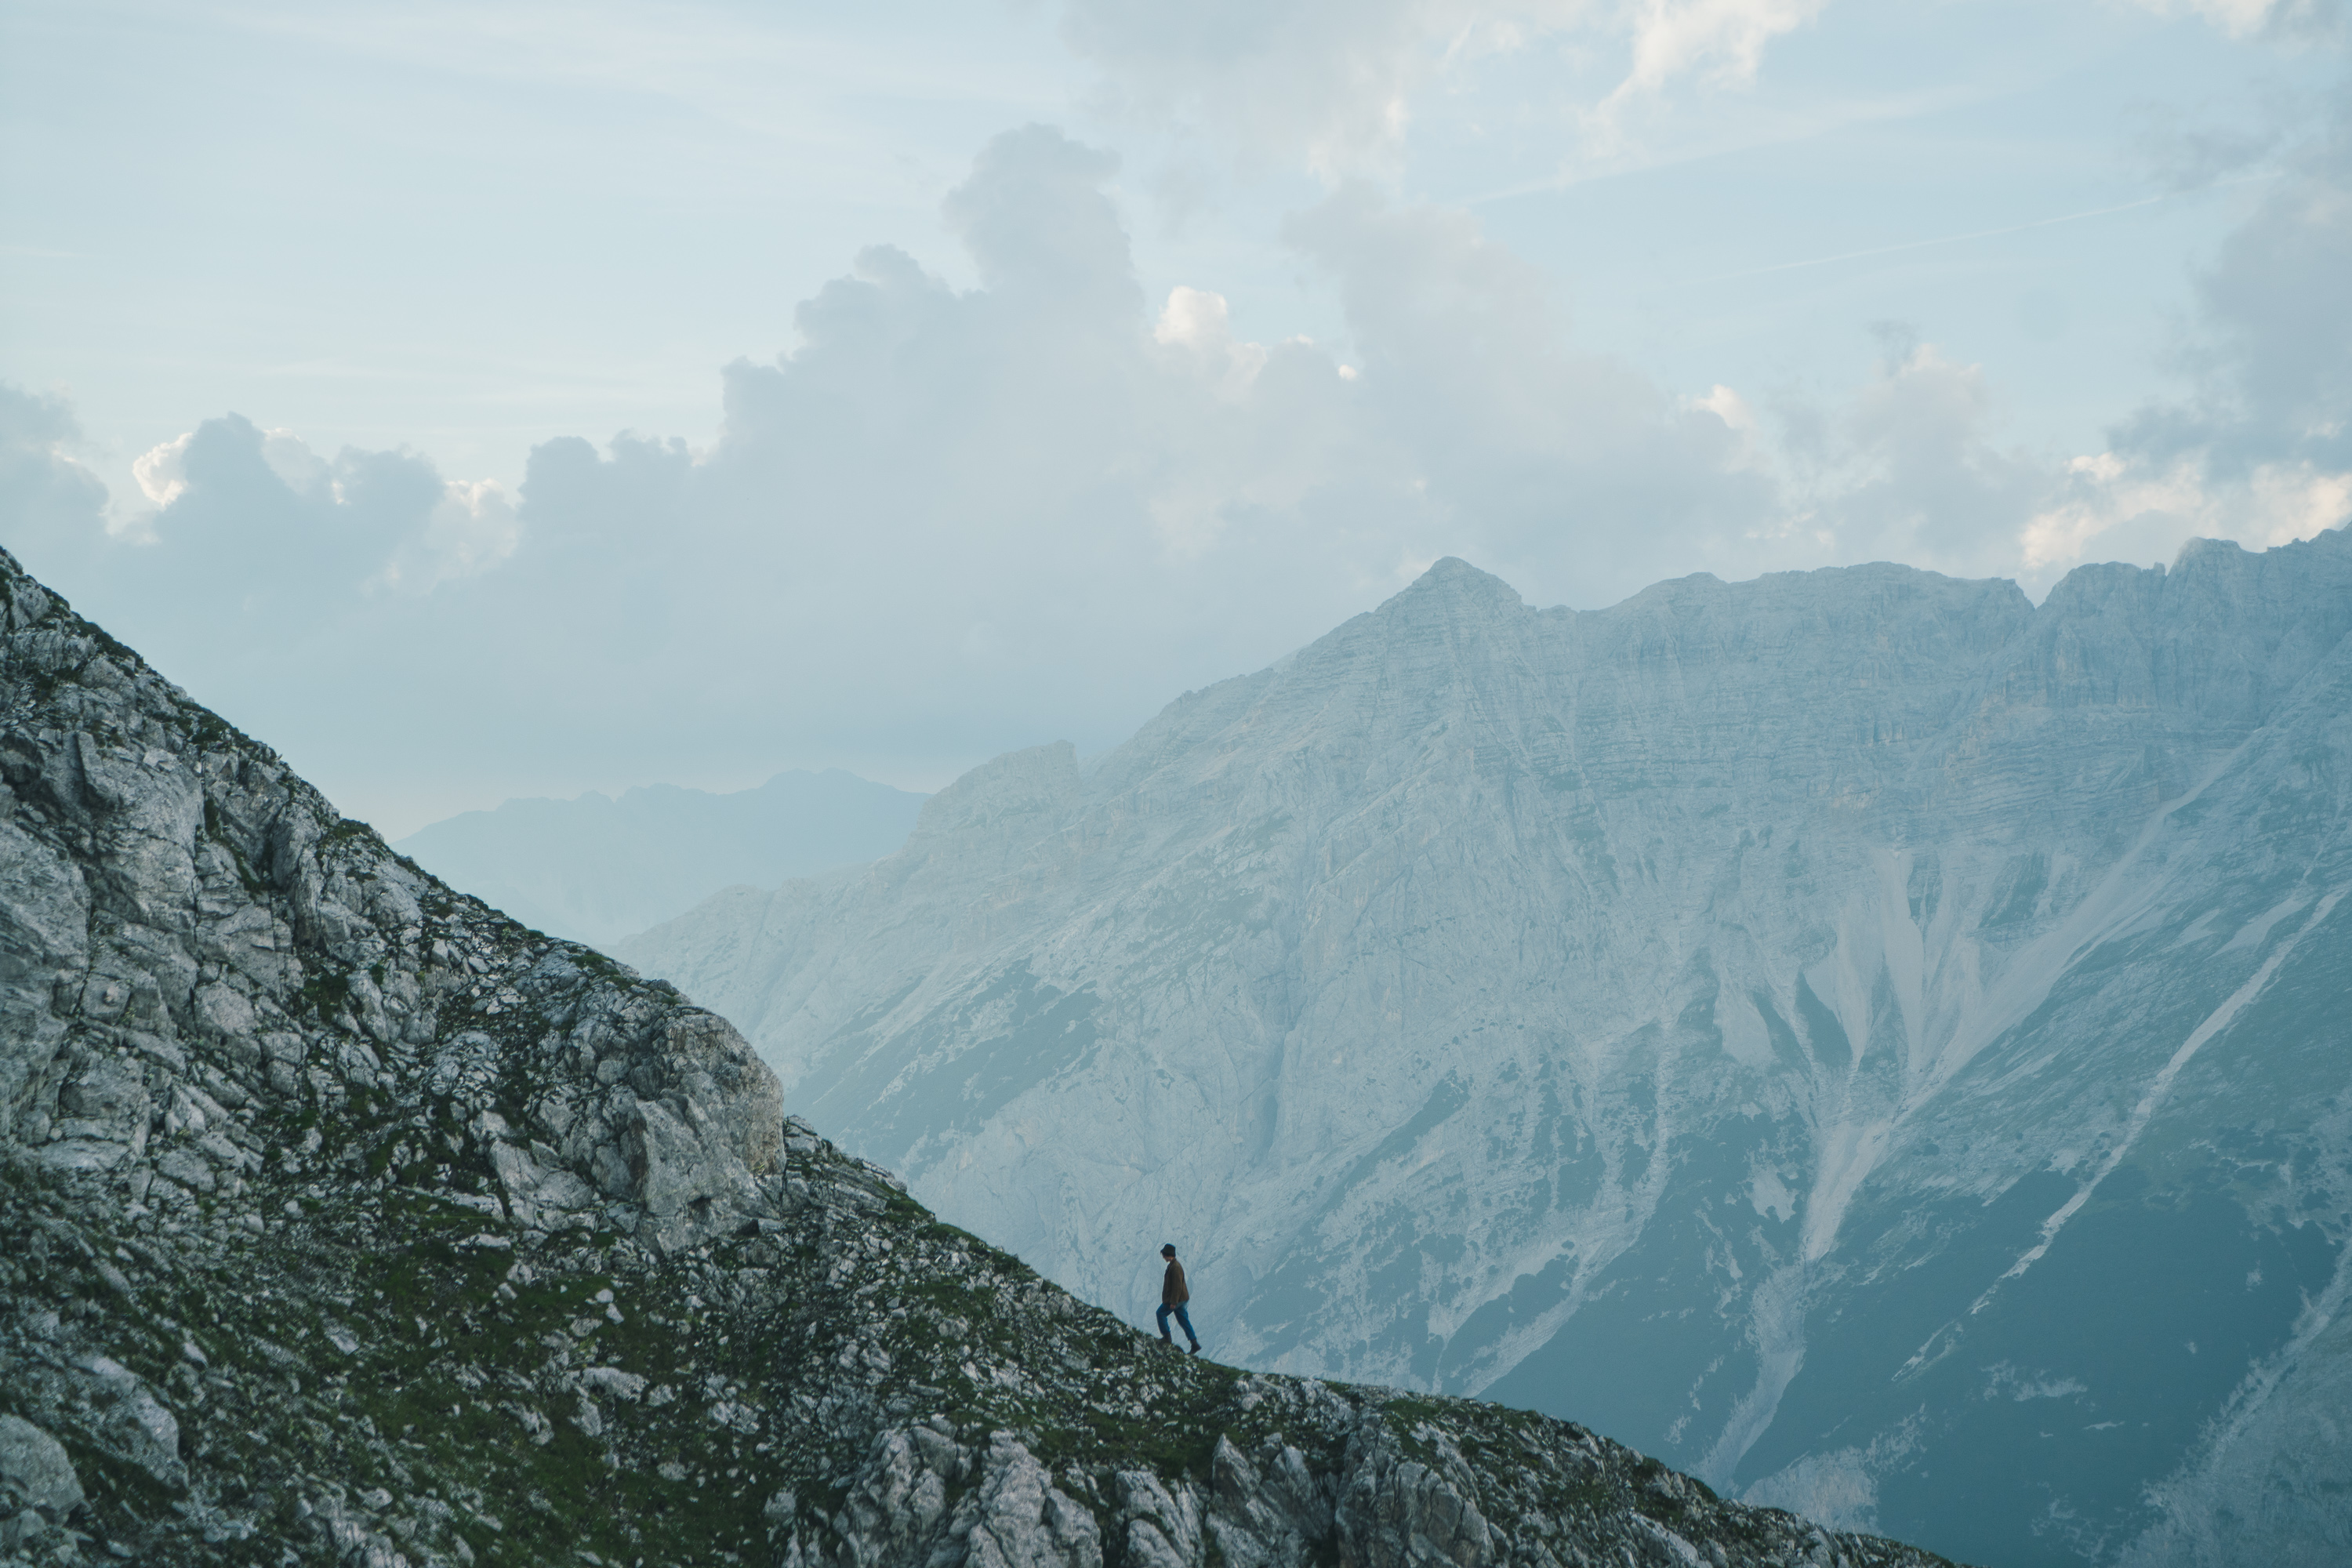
342,1220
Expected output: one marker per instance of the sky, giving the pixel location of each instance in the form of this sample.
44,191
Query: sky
507,398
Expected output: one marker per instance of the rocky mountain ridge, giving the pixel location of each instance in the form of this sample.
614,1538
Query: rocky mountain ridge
1875,1041
344,1221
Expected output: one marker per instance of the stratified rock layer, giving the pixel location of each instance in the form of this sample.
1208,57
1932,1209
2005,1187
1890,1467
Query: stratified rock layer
343,1221
1880,1044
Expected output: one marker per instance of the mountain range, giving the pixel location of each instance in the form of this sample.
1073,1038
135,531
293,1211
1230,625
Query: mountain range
343,1220
597,868
1872,1041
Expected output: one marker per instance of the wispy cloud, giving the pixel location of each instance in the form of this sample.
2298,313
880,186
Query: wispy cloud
1334,87
2293,21
1722,40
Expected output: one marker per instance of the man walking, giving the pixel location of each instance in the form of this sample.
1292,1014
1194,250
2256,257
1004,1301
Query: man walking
1172,1297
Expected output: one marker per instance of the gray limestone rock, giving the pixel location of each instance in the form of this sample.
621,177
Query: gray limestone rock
35,1470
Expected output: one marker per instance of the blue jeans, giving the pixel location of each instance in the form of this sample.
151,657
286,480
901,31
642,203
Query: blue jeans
1179,1311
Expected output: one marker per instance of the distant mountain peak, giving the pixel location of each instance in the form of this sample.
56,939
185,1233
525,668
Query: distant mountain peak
1453,581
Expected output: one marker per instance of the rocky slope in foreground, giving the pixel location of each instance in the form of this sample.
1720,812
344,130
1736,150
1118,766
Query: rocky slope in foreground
342,1220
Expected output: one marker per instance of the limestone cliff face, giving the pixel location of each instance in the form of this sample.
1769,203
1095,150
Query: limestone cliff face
1864,1037
344,1221
166,887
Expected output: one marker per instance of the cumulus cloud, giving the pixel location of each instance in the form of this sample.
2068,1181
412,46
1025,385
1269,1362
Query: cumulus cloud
363,521
2260,448
2274,355
2109,509
296,592
1721,39
472,528
1051,463
48,497
1040,465
952,521
1906,468
947,521
1061,421
1569,470
162,470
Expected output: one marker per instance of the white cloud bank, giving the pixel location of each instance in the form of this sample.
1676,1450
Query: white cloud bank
949,523
2259,449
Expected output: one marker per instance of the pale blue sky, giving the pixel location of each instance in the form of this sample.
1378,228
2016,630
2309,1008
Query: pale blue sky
1595,293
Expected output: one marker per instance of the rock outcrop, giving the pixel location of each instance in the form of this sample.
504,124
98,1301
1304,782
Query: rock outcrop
1878,1043
344,1221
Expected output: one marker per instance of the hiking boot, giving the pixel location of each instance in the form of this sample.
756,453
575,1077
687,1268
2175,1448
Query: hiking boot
1196,1346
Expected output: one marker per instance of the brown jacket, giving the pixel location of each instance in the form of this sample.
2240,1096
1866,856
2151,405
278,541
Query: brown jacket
1172,1288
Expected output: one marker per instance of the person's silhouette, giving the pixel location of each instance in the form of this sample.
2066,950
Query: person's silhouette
1172,1297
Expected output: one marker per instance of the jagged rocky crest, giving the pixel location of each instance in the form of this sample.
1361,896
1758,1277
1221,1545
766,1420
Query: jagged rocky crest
342,1220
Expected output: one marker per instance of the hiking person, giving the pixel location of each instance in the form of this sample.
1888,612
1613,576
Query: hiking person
1172,1297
